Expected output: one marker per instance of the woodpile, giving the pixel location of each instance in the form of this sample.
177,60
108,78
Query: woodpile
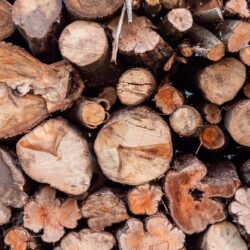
125,124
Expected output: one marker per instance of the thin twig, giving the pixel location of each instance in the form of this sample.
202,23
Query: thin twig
129,10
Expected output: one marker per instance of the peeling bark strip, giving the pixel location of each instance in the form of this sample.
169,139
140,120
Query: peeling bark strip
159,234
6,23
190,187
110,95
221,81
135,86
55,153
139,41
134,147
39,22
49,214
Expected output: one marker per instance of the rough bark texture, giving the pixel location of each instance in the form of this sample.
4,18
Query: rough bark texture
237,122
237,7
245,173
135,86
245,55
45,212
190,187
57,154
171,4
159,234
144,199
212,113
6,23
221,81
134,147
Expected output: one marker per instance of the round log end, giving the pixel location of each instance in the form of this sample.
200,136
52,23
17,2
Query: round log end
6,23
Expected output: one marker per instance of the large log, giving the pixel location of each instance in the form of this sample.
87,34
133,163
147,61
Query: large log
190,188
6,23
237,7
134,147
57,154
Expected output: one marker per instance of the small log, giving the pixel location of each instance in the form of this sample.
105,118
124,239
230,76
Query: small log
222,235
207,44
245,55
168,99
39,23
94,10
159,234
134,41
135,86
18,238
171,4
45,212
185,49
237,122
110,95
103,209
56,149
11,186
245,173
152,7
190,188
144,199
246,90
212,137
134,147
85,45
237,7
6,23
235,34
221,81
239,208
212,113
87,239
186,121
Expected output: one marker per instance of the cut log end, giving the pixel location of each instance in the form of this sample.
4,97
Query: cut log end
245,173
6,23
246,90
212,113
245,55
185,49
237,7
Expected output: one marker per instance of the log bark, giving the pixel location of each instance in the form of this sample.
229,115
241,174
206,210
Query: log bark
6,23
237,7
212,113
56,149
222,235
11,186
94,10
207,44
221,81
245,173
186,121
159,234
46,212
171,4
168,99
139,41
237,122
134,147
190,188
152,7
39,23
234,33
144,199
103,209
245,55
87,239
135,86
246,90
110,95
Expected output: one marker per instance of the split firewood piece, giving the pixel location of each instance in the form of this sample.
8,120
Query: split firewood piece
212,113
110,95
103,209
237,122
51,215
11,186
240,208
237,7
190,188
245,55
38,21
144,199
158,234
221,81
135,86
234,33
134,147
139,41
6,23
222,235
85,44
152,7
186,121
170,63
57,154
168,99
177,22
212,137
88,239
185,49
171,4
245,173
18,238
246,90
207,44
94,10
